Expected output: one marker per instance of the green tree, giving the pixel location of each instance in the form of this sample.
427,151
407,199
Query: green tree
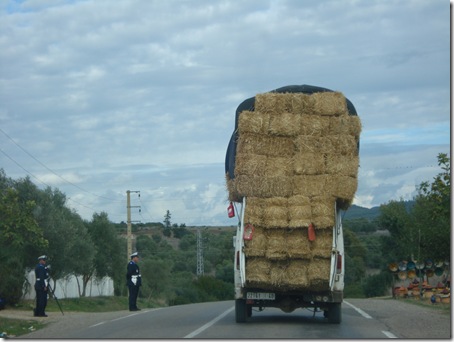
432,212
19,234
167,217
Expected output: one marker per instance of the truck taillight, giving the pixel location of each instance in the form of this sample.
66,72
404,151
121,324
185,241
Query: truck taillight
238,260
339,264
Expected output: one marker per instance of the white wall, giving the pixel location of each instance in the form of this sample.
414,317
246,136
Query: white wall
67,288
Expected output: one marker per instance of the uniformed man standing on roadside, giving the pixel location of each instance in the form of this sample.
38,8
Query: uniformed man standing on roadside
42,276
134,280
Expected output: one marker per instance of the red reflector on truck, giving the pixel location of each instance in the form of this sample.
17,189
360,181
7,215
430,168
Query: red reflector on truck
248,231
339,263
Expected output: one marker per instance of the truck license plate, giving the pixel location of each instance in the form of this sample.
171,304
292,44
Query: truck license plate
261,295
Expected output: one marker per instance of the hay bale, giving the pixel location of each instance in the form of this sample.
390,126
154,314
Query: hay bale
342,165
309,163
297,277
253,212
318,271
276,248
253,122
339,125
278,166
234,196
279,274
275,212
284,124
250,164
298,244
309,185
342,187
299,211
314,144
344,145
257,271
314,125
301,103
329,103
323,207
270,103
323,243
249,144
257,186
355,126
257,246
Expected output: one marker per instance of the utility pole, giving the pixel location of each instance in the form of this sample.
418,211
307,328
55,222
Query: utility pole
200,268
129,233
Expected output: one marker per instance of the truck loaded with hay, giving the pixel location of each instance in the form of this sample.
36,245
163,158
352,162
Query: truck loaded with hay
291,170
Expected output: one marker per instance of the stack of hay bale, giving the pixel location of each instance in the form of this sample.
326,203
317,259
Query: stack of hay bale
296,157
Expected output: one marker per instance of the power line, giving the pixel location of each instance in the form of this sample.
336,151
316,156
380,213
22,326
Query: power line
47,168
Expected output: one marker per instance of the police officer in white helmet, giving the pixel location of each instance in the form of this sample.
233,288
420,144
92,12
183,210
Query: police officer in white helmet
134,280
42,276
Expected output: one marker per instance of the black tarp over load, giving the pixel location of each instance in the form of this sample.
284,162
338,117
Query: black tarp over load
294,155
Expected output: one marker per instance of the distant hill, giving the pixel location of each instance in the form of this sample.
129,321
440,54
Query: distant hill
356,211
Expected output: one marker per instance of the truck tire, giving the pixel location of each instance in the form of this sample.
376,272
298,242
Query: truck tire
241,310
335,313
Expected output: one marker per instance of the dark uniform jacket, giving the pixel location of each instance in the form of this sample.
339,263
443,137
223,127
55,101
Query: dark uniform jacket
41,275
133,273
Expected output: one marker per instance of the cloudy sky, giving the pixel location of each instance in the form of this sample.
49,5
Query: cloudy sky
98,97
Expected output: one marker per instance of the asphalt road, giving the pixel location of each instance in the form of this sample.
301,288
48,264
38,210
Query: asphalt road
361,319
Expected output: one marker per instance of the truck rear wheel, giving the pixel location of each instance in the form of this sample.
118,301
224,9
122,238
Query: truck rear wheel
334,313
241,310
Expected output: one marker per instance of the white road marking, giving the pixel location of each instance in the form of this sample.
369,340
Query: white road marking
209,324
361,312
389,334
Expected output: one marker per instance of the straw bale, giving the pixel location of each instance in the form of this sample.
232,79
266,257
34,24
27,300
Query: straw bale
323,243
314,144
301,103
343,187
309,163
257,246
323,206
257,270
297,274
299,200
299,211
234,196
298,244
276,248
318,271
253,212
309,185
321,222
345,165
257,186
275,212
339,125
355,125
250,164
253,122
344,144
250,143
279,274
278,166
329,103
270,103
314,125
284,124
